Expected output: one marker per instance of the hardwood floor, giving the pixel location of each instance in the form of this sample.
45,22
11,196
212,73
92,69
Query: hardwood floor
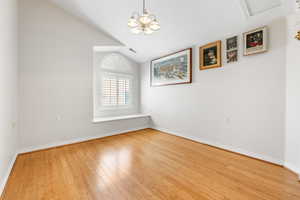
146,164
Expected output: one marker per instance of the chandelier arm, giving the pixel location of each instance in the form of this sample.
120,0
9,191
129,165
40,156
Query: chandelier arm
135,14
152,17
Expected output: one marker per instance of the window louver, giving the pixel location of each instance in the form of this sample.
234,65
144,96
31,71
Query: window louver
115,91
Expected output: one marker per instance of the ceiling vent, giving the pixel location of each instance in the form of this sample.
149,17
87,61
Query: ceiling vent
132,50
255,7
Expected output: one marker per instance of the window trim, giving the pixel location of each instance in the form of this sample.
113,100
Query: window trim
103,62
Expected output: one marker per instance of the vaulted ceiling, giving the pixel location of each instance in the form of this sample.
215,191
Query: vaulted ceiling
184,23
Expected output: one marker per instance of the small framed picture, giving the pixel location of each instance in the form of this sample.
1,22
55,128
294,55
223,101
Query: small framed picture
255,41
232,49
232,43
210,55
232,56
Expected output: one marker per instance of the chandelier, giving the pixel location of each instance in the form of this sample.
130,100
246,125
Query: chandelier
145,23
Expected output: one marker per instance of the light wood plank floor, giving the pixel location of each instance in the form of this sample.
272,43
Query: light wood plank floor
146,164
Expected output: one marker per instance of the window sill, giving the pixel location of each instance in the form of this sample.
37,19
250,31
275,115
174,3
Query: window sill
108,119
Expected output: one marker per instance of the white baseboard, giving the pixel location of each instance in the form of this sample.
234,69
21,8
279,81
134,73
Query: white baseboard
293,168
6,176
223,146
76,140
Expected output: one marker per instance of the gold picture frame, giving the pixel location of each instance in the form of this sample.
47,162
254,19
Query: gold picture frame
211,55
298,36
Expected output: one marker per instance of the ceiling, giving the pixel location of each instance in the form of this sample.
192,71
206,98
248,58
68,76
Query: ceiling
184,23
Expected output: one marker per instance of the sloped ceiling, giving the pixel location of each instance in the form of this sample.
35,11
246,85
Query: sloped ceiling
184,22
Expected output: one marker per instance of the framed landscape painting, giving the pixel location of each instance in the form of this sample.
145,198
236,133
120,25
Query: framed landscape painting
255,41
172,69
210,56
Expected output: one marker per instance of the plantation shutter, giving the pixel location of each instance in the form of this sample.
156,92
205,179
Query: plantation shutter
109,91
115,91
123,91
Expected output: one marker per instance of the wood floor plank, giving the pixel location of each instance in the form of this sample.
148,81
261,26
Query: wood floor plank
146,165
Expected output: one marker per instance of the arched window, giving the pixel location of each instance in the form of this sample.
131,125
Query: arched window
116,82
116,62
114,85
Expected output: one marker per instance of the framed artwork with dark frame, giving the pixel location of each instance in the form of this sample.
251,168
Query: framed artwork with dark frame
256,41
210,55
172,69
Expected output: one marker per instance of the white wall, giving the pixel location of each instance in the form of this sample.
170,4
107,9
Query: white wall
240,107
56,70
8,87
293,96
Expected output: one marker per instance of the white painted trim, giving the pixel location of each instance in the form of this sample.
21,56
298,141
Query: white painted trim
245,8
293,168
73,141
107,119
108,48
8,171
225,147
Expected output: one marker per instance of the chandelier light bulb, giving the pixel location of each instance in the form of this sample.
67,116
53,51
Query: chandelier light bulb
155,25
132,22
145,18
136,30
148,30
